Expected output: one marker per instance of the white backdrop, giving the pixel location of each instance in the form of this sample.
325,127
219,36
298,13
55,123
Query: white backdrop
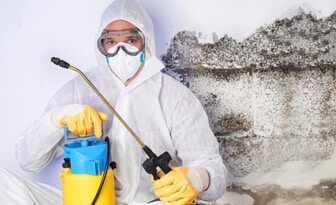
32,31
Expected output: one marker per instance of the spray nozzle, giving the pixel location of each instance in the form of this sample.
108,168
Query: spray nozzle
60,62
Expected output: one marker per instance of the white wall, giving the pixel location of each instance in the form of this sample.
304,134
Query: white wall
32,31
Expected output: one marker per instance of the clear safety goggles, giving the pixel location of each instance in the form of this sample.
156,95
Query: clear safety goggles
133,42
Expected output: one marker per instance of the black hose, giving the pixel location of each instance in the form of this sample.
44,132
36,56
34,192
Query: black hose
107,140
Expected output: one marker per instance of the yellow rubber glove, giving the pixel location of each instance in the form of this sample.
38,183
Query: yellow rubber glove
175,188
83,122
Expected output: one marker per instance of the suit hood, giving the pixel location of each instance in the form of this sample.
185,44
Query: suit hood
131,11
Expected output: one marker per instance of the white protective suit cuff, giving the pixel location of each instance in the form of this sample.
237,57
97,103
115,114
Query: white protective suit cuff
59,112
199,178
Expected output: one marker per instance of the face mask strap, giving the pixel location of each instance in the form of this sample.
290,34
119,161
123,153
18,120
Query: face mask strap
142,57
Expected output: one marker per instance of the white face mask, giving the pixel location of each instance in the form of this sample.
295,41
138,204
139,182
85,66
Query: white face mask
125,66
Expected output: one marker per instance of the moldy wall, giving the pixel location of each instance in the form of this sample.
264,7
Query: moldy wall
271,100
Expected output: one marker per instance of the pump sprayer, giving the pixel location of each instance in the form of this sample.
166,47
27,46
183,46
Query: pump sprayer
153,161
87,177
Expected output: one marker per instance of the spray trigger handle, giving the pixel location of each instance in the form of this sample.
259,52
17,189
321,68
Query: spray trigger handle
154,161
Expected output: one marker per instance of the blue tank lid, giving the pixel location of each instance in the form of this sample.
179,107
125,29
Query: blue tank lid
87,154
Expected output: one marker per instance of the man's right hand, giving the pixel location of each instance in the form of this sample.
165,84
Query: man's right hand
80,119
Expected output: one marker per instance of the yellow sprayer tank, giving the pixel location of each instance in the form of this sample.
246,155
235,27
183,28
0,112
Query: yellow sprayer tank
86,160
80,189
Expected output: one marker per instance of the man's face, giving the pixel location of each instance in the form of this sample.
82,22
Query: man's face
123,37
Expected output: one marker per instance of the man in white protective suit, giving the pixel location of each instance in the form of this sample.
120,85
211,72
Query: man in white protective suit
162,111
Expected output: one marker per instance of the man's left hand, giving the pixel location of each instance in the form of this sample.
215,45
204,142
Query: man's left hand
175,188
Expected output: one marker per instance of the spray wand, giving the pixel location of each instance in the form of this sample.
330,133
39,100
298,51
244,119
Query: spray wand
151,163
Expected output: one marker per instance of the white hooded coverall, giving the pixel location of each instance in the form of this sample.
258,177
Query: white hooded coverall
163,112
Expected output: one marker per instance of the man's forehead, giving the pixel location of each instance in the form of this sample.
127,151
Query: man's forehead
119,25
